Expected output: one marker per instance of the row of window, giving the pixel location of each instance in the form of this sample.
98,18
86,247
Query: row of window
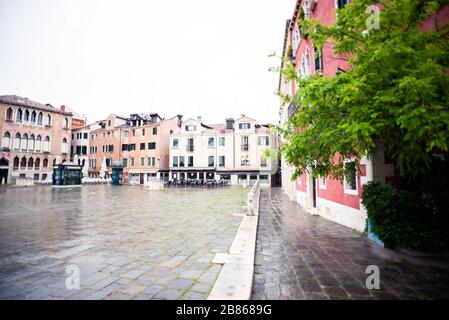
80,135
179,161
30,143
262,141
30,164
32,117
133,132
143,146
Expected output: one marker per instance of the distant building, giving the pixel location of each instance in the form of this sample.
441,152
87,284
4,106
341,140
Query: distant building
232,151
35,136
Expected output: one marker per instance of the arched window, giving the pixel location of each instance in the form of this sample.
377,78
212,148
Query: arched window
31,143
37,164
9,114
307,63
38,143
6,143
45,163
30,164
17,139
33,117
47,144
66,123
64,146
27,115
40,118
16,163
48,120
19,115
23,163
24,142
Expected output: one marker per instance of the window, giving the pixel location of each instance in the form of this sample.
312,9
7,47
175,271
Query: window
181,161
211,161
125,162
211,142
64,147
37,164
296,40
151,161
40,118
154,131
245,143
86,135
6,140
222,141
19,115
175,162
9,114
27,116
31,143
244,126
142,161
24,142
45,163
16,163
134,133
151,145
318,60
190,145
125,134
307,63
142,146
17,139
190,162
263,162
264,141
109,123
38,143
66,123
322,182
190,128
47,144
350,181
341,3
33,117
143,132
48,123
132,162
175,143
222,161
244,162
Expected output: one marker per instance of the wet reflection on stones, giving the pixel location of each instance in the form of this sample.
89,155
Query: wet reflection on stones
129,243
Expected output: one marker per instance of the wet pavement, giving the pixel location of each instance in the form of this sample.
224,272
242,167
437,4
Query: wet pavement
299,256
128,243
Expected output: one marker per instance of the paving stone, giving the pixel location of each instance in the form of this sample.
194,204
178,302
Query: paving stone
202,287
299,256
168,294
122,239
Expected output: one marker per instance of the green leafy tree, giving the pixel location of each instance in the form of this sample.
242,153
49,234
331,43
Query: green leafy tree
395,93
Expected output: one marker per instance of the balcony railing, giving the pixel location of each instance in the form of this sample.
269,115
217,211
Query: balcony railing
245,147
190,148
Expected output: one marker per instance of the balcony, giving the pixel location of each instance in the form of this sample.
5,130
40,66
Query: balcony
6,149
245,147
190,148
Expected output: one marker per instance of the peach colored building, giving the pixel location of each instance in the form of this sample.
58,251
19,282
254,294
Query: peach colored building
146,147
34,137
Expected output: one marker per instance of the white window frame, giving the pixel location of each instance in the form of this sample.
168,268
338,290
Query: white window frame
322,183
350,191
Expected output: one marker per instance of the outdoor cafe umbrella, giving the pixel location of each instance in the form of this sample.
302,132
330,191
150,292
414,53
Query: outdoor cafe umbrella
103,168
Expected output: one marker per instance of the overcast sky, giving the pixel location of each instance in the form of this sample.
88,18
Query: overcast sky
197,57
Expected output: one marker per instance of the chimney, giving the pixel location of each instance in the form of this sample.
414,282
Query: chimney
179,120
230,123
199,118
62,109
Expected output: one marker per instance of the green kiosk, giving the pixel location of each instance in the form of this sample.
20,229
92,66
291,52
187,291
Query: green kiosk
67,174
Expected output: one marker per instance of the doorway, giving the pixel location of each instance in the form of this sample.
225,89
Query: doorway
4,169
142,178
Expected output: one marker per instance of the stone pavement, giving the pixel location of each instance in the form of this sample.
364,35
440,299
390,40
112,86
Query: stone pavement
128,243
299,256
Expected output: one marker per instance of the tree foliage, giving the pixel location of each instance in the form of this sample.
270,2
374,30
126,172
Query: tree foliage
396,91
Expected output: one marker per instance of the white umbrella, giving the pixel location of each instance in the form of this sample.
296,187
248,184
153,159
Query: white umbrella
75,159
86,168
103,168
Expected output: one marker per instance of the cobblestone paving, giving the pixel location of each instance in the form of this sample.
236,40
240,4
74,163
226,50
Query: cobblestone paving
129,243
300,256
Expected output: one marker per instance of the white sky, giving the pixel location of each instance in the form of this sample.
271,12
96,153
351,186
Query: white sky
197,57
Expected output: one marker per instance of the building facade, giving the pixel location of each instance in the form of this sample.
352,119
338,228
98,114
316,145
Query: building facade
35,136
325,196
232,151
